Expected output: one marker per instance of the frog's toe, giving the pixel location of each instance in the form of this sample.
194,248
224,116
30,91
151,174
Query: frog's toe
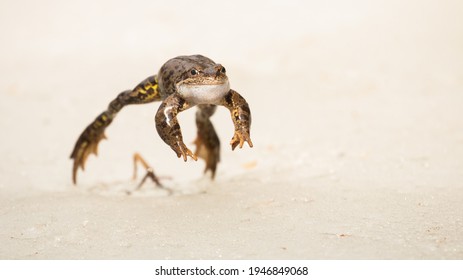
189,153
182,151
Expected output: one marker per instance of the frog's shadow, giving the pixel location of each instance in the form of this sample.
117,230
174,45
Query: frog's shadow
149,188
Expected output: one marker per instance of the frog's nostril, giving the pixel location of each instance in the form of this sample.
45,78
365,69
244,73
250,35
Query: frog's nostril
220,70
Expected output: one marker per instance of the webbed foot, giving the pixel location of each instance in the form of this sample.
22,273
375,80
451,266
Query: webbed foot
137,158
87,143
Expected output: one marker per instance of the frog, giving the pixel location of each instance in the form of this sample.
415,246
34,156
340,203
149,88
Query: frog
181,83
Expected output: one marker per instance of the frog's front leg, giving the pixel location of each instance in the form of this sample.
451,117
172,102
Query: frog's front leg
241,116
168,127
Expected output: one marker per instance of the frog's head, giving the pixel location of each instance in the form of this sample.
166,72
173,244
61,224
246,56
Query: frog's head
203,81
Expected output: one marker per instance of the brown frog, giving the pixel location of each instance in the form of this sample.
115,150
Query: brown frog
181,83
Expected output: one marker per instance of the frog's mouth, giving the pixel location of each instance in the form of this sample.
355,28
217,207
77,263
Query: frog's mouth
204,93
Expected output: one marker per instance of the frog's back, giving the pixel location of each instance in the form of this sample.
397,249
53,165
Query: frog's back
177,68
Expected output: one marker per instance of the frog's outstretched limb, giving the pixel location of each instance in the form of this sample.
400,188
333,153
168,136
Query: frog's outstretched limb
167,125
145,92
207,142
138,159
241,116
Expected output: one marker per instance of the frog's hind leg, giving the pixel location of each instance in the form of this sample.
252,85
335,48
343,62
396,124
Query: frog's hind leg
137,158
87,143
207,142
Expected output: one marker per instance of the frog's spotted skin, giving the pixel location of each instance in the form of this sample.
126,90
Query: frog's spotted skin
181,83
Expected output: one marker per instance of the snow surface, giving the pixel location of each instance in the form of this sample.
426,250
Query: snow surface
357,131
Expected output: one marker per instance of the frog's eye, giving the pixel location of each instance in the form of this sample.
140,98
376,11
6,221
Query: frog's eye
194,72
223,70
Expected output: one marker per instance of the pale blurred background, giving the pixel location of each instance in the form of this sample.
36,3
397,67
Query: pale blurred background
357,126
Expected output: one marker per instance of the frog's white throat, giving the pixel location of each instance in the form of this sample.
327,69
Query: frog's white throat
203,94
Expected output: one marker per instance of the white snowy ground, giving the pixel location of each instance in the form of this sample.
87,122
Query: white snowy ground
357,125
